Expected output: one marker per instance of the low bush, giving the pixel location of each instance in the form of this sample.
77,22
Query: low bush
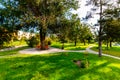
32,42
48,41
84,63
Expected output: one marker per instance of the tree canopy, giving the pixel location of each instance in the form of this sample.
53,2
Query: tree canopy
42,14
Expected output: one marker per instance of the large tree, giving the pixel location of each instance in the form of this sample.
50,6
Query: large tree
100,4
43,14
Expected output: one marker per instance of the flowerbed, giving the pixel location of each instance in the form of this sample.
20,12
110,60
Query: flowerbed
39,47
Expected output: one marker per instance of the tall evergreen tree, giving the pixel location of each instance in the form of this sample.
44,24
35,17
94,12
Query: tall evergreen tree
100,4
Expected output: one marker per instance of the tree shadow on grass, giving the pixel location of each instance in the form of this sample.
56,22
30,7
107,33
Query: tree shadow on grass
83,72
57,66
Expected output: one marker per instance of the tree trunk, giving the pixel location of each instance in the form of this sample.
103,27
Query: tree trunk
42,39
88,42
75,42
100,31
63,45
43,28
84,42
0,46
75,39
100,48
110,44
107,44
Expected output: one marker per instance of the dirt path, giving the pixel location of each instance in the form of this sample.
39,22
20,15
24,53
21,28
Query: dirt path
54,50
51,50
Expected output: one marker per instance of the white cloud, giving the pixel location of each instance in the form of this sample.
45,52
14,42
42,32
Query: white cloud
82,11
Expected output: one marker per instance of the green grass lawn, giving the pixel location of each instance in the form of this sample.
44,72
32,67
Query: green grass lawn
58,66
70,46
115,51
10,52
15,43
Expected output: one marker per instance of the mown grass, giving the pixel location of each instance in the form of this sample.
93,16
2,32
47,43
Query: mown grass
17,43
115,50
58,66
70,46
11,52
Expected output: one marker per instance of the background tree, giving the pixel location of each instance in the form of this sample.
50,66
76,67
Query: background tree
111,24
8,22
63,30
99,4
85,33
74,28
112,31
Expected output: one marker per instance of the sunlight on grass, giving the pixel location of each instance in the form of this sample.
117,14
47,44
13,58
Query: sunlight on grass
89,77
38,76
105,70
115,51
75,48
58,66
101,62
70,46
114,65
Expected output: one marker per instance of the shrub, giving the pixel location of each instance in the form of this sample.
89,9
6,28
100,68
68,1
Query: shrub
33,41
84,63
48,41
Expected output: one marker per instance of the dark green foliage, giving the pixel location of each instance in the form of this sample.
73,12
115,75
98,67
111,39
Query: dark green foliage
32,42
42,14
6,36
53,37
85,34
111,31
84,63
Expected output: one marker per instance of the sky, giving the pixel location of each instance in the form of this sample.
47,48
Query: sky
82,11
